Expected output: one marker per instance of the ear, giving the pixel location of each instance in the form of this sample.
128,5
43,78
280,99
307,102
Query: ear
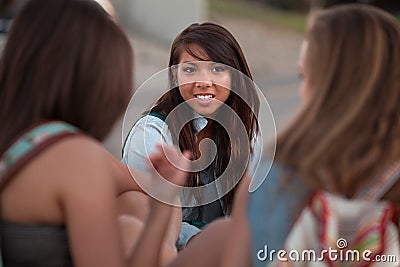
174,74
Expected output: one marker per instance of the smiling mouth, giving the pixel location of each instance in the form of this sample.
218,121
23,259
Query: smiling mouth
204,97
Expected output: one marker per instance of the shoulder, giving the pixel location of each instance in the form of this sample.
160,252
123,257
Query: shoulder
81,147
149,122
77,161
152,119
76,165
142,139
148,129
67,153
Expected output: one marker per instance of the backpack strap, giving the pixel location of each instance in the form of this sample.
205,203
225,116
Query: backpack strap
157,115
30,143
381,184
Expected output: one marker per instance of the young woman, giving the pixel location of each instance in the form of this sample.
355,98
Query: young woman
346,134
212,96
58,184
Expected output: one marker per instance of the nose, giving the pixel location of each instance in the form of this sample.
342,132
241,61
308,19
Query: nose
203,79
203,83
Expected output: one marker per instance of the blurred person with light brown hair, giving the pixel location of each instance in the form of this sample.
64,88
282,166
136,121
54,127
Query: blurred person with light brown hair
347,132
65,63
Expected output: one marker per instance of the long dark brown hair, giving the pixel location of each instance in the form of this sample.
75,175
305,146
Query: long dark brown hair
219,46
349,127
64,60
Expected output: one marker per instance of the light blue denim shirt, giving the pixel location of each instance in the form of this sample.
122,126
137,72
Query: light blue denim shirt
272,211
141,142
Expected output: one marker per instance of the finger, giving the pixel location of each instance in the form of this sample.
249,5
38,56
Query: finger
187,154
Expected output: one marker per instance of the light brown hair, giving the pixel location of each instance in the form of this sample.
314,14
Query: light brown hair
349,127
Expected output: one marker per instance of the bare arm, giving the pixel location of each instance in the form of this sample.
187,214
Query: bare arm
87,197
237,250
160,212
224,242
124,176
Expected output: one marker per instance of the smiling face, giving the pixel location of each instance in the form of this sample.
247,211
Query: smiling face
205,85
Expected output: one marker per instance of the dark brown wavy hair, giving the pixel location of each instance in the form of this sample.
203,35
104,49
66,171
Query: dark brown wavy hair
220,46
64,60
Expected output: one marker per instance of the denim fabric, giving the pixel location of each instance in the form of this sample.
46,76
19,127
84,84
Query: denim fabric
272,211
187,232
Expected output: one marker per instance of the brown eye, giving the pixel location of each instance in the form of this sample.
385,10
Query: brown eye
218,69
189,69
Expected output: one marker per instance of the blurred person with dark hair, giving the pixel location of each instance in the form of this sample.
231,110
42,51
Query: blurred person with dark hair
64,62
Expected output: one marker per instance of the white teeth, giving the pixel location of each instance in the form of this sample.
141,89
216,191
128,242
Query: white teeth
204,96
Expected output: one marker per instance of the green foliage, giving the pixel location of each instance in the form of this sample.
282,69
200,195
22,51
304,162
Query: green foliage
257,11
300,5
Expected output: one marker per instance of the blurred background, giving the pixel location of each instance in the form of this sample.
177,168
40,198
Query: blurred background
270,33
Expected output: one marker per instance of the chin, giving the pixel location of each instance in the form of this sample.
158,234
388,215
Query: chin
205,113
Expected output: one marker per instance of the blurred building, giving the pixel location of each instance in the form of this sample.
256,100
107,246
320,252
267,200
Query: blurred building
160,19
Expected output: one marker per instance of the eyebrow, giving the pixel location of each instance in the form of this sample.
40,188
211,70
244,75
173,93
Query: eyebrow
190,63
193,63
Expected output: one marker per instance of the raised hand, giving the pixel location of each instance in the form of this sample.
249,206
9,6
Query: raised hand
168,167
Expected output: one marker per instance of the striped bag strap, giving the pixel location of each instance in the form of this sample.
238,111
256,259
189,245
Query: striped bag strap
381,184
29,144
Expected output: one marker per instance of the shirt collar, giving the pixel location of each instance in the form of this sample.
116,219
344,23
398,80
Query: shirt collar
199,122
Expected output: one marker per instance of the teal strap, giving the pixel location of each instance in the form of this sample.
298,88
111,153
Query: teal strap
157,115
198,224
28,144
